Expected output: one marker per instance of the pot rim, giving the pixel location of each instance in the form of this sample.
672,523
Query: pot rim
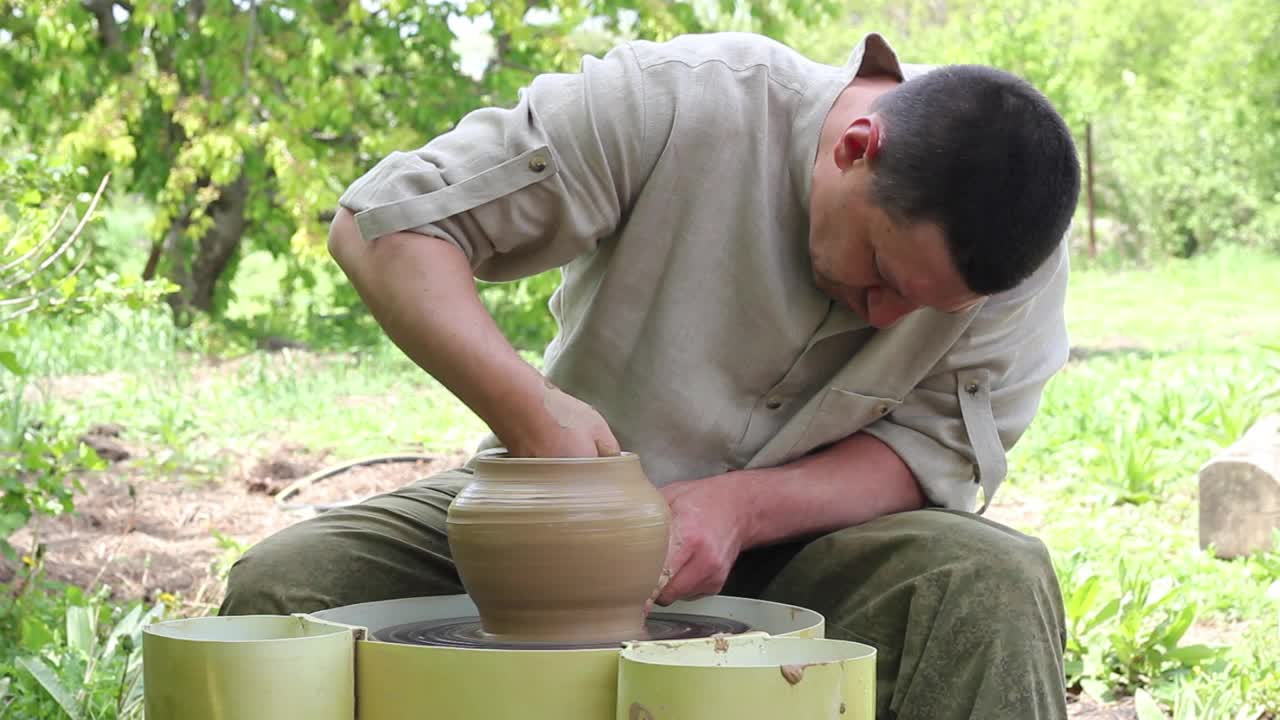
502,458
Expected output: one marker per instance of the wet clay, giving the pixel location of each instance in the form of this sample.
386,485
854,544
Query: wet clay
793,673
559,549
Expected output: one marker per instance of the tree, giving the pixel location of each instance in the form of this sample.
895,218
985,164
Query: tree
243,121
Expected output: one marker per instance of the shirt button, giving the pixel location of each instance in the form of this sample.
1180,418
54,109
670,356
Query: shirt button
971,388
882,409
538,163
773,403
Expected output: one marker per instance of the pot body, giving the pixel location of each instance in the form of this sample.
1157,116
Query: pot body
560,549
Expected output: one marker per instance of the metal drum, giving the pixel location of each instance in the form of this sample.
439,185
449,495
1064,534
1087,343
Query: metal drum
263,667
747,677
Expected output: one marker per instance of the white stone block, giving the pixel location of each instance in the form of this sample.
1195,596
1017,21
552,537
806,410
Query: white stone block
1240,493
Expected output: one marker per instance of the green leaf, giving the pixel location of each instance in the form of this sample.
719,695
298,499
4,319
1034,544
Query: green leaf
1094,688
80,635
35,635
1178,627
67,286
1146,706
9,360
48,680
1079,602
1192,655
1107,612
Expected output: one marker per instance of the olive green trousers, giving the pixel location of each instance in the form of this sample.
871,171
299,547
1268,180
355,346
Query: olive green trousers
965,614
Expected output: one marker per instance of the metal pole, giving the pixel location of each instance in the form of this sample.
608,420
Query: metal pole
1088,160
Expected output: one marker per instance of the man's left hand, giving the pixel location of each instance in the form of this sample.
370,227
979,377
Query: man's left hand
708,530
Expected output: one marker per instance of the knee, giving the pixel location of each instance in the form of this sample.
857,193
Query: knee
998,571
251,587
990,550
1009,575
265,581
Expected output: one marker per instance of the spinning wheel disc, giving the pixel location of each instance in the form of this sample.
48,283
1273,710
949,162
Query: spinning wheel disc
466,632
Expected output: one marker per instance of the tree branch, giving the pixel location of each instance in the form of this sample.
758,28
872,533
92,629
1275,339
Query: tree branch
195,11
75,234
108,28
247,65
38,246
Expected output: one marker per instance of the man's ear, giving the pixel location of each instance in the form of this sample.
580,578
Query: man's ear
862,139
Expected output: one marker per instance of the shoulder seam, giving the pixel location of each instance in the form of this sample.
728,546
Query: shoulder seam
719,61
644,98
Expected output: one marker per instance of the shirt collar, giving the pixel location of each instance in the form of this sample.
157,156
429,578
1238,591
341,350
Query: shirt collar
871,55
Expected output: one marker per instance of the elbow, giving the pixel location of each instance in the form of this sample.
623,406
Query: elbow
344,237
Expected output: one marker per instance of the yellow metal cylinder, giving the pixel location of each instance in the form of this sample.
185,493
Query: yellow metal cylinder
249,668
747,677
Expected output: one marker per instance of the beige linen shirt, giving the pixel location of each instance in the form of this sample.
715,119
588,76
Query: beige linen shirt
670,183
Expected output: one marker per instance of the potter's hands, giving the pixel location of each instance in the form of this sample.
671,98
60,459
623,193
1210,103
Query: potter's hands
561,426
707,533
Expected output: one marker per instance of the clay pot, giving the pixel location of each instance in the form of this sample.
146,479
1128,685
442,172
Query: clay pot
564,550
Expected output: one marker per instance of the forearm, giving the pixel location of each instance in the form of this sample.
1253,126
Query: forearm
421,291
849,483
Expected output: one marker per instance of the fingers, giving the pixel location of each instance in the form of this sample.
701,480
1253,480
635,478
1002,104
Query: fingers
606,443
682,578
688,583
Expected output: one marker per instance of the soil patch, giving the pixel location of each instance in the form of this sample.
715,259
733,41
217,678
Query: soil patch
141,536
1086,708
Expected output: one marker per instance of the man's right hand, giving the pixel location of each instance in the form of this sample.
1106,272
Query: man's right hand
563,426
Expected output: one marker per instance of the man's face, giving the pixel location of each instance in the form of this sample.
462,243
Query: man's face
880,268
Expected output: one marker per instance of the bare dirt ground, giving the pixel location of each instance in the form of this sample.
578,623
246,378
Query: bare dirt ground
141,536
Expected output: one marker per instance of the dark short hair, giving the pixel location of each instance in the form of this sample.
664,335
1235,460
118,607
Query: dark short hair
985,155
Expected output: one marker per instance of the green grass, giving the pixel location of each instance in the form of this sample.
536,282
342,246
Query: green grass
188,409
1176,368
1224,301
1178,365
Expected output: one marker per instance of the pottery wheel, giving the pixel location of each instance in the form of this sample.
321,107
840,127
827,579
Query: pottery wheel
467,633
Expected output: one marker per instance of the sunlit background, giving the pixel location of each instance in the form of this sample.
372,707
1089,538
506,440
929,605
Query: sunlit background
176,344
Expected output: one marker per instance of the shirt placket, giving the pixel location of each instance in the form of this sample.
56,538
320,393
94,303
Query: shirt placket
774,407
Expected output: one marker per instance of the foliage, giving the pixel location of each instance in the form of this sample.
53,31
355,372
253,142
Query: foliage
1127,637
521,309
45,271
65,653
246,120
1111,463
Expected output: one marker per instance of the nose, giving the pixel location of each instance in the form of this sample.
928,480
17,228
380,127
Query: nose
886,307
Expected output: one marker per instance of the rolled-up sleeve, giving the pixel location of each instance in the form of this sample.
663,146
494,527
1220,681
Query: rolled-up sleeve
955,427
522,189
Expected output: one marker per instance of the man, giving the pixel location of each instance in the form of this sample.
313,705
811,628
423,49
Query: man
819,303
